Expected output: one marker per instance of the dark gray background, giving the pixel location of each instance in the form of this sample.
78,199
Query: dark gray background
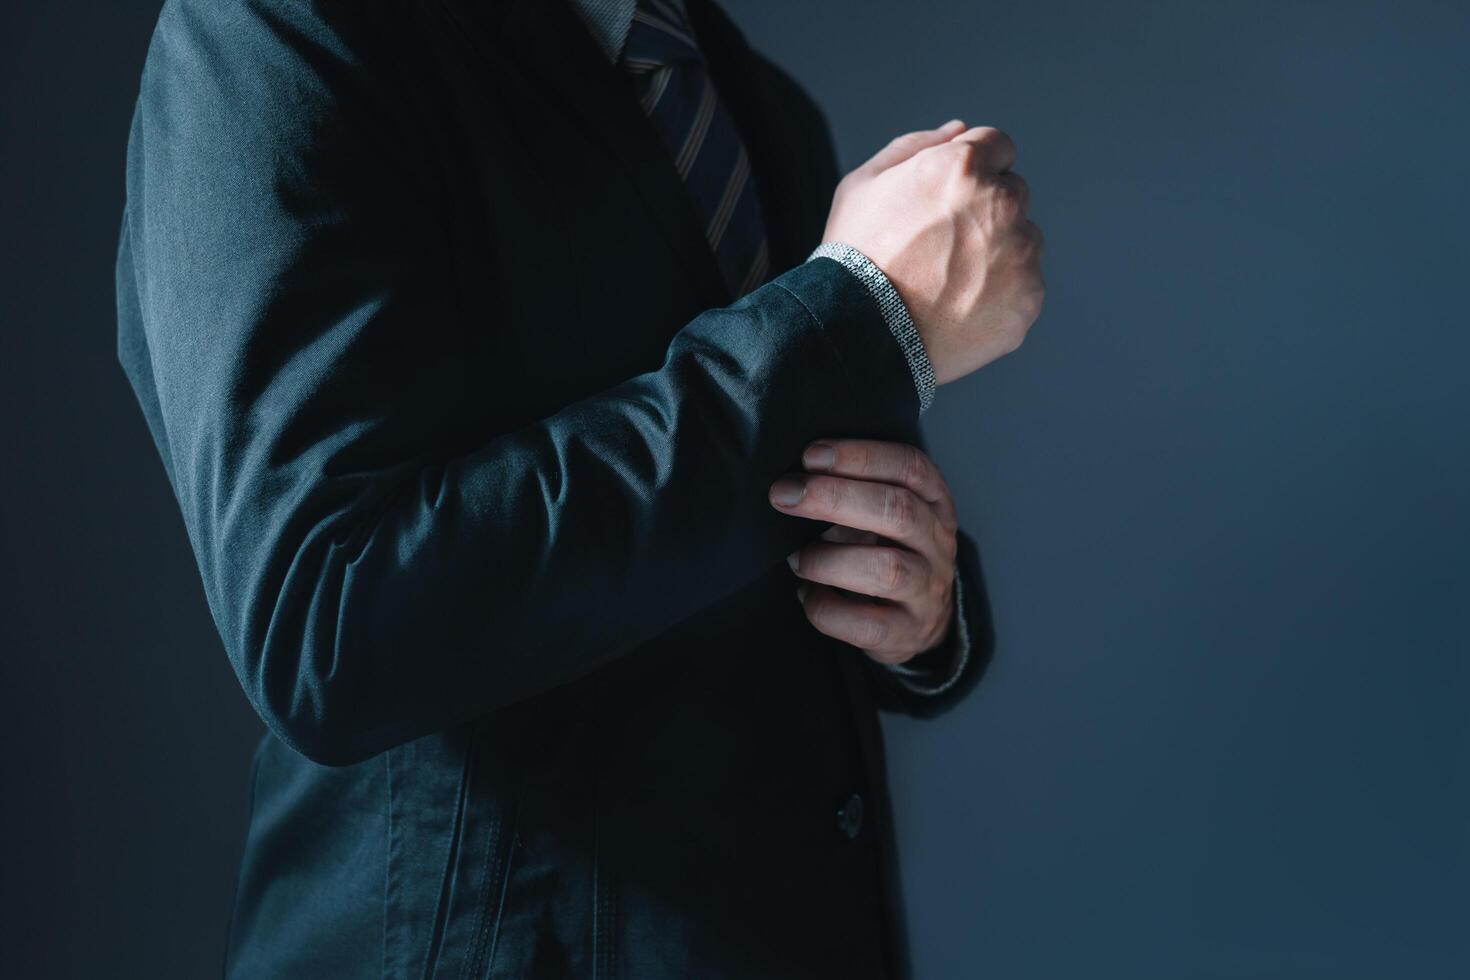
1220,494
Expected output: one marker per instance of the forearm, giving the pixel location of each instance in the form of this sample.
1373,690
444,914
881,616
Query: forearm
526,564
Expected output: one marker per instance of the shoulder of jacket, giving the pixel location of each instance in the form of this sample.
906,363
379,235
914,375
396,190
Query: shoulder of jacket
327,30
281,86
326,12
297,53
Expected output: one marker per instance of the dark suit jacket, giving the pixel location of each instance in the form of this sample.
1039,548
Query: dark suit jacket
473,449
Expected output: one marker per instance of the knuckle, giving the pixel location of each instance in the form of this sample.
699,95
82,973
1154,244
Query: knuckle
947,543
939,586
992,140
915,467
1019,191
1007,207
999,138
931,163
892,572
900,511
1018,335
825,494
1028,242
1035,297
870,631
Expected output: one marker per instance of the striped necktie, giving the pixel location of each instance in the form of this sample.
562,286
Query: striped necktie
676,94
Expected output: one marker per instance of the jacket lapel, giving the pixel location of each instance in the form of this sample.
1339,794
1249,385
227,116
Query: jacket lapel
550,45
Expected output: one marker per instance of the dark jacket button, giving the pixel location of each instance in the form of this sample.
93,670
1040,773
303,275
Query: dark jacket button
850,817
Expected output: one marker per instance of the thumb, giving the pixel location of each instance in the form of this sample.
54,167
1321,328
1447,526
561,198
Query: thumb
900,148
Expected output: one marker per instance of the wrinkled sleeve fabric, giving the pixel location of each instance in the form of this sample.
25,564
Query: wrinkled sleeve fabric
286,318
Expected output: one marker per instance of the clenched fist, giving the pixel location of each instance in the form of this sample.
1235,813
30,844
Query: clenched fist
943,215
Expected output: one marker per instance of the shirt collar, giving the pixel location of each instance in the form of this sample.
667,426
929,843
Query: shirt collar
609,21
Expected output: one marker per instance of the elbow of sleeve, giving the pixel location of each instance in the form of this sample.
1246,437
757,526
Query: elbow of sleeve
332,750
308,675
313,715
325,741
310,630
345,661
326,746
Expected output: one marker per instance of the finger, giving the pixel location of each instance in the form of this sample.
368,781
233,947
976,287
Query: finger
900,148
1015,185
995,152
890,511
882,571
880,630
1032,233
848,535
899,463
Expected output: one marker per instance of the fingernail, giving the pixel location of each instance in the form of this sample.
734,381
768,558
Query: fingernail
794,559
787,491
819,456
953,123
801,591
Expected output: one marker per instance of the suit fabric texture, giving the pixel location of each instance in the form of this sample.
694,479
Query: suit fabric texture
472,447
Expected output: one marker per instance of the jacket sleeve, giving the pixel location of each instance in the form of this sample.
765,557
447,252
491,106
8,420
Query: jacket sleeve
280,260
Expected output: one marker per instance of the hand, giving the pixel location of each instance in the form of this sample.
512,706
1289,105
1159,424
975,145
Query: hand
893,543
944,217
